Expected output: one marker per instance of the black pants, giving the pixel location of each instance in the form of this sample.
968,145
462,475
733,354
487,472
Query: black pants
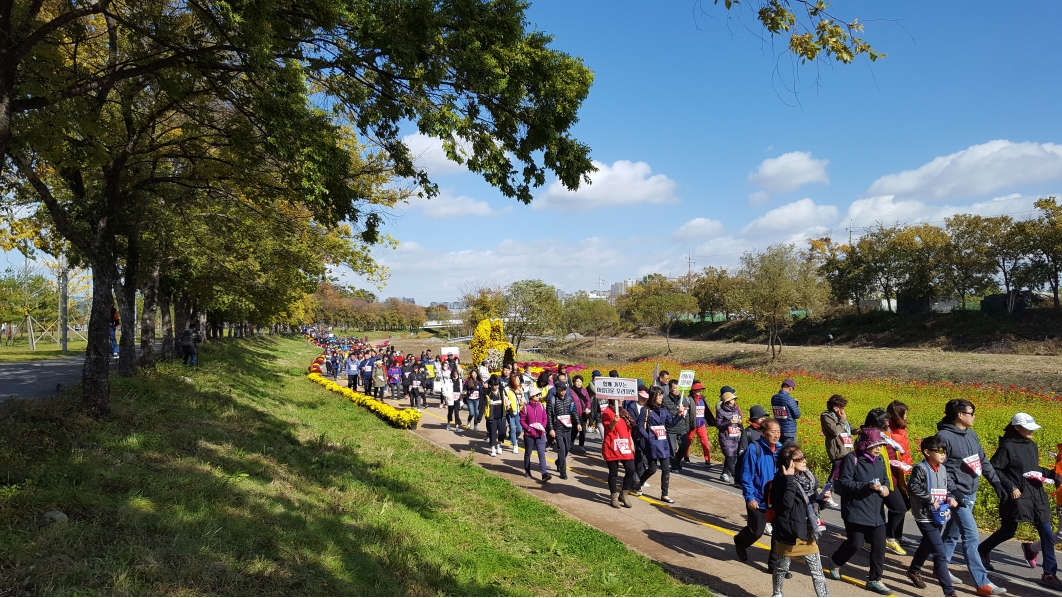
378,392
613,475
564,446
495,429
453,413
932,545
753,530
665,474
728,465
579,435
897,504
640,464
352,381
856,535
683,442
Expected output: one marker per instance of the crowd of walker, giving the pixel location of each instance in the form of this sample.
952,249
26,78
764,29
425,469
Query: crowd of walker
873,472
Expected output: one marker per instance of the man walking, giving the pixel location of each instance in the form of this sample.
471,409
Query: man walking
758,469
966,463
786,410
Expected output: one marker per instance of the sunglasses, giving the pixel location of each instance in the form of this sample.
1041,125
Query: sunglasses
938,451
800,459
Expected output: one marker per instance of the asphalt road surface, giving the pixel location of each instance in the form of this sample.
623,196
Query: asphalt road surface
31,379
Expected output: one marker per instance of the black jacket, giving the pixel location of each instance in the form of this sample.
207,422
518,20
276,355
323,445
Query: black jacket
860,504
683,425
1014,457
790,509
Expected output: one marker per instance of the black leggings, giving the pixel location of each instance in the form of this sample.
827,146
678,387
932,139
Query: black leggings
728,465
897,504
579,435
856,534
495,429
665,473
453,413
613,475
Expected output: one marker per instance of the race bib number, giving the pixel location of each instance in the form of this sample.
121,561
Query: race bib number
622,446
566,420
939,494
473,395
416,383
733,431
1037,476
366,368
846,438
700,411
780,412
660,432
603,404
973,463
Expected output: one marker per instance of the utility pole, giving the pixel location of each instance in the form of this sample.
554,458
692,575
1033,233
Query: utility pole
689,270
63,300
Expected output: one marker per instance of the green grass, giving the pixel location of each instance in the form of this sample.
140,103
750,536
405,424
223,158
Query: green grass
251,480
20,351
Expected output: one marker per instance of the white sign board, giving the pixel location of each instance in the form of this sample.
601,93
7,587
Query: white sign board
449,351
616,389
685,381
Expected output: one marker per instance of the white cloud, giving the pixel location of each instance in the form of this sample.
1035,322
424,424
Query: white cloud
976,170
792,220
788,172
698,229
448,205
623,183
428,154
888,210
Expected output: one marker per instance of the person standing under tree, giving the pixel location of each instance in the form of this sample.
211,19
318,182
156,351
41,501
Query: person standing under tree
190,340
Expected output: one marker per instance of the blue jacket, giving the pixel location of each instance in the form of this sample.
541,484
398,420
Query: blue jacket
786,411
758,468
658,448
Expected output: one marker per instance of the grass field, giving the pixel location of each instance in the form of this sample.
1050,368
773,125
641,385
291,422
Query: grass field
995,405
20,351
248,479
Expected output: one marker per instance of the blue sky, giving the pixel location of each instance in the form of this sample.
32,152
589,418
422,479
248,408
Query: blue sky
712,140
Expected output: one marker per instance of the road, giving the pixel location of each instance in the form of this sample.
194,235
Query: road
30,379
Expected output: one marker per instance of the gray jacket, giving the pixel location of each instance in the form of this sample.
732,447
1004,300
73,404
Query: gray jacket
920,484
962,446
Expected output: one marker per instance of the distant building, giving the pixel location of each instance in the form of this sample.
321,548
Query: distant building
602,295
408,300
561,295
619,288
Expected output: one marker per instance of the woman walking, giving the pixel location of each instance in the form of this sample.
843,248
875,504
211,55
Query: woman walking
900,463
1018,464
535,422
652,426
703,418
453,400
728,422
796,522
862,506
513,401
581,398
474,392
495,414
617,449
379,380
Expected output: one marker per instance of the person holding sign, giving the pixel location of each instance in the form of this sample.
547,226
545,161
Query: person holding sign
1018,463
563,418
966,465
786,410
617,449
679,430
702,419
931,507
652,427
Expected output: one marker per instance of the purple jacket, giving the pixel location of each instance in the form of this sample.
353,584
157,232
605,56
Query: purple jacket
534,413
582,399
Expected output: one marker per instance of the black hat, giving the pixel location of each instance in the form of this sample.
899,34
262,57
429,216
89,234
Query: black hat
756,412
560,385
726,389
613,373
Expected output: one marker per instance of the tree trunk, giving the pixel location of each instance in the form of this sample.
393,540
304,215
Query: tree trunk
96,386
167,326
180,315
147,319
126,294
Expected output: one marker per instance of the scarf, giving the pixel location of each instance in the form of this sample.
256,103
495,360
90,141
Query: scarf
809,488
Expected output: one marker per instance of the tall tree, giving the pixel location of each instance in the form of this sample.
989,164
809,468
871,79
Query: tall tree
659,303
883,259
591,317
1006,245
968,262
780,279
1044,236
531,307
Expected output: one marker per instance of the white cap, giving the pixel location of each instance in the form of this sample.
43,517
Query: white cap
1024,420
534,392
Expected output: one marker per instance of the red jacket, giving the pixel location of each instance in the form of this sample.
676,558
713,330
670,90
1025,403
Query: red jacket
617,444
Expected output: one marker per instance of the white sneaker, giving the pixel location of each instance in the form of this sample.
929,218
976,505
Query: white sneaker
768,529
516,450
493,452
447,427
832,503
645,484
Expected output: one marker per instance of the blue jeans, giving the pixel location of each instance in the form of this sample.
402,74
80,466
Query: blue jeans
114,340
962,522
1007,530
515,428
473,411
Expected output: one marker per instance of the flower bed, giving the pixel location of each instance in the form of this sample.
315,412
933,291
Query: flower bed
537,367
399,418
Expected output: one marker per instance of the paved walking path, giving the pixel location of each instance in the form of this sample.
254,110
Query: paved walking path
26,379
694,537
